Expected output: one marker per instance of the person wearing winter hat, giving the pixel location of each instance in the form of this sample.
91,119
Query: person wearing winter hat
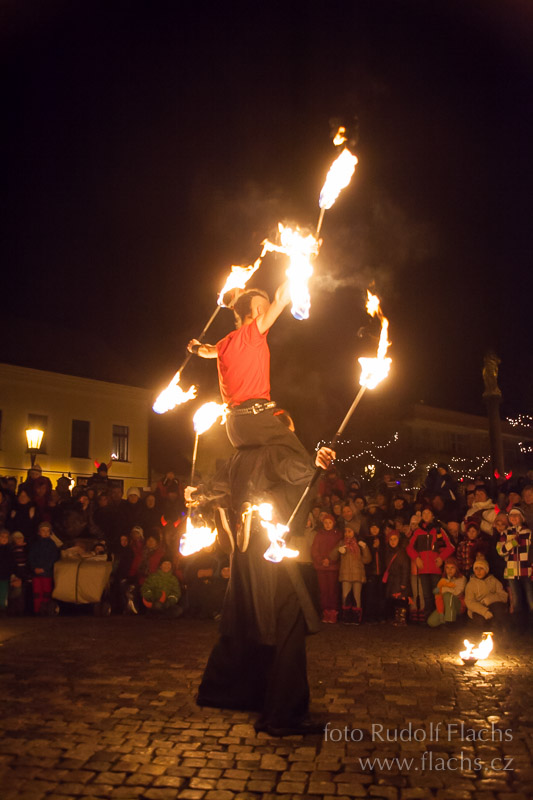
515,547
485,597
327,568
133,510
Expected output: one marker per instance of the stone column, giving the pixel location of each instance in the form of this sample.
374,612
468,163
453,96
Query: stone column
493,397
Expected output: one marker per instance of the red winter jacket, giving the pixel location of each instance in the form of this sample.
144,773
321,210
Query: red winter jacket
429,544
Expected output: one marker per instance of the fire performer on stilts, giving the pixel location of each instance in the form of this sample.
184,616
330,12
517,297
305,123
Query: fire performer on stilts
259,662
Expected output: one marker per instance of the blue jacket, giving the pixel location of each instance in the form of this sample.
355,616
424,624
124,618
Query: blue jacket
43,553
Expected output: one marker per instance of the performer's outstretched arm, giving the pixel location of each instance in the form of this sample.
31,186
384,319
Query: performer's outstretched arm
202,350
266,319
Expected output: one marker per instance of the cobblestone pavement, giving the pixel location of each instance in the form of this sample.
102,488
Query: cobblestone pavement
104,708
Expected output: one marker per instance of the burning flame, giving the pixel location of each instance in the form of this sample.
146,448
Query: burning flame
340,136
239,277
173,396
374,370
300,249
196,538
278,549
339,175
479,653
207,415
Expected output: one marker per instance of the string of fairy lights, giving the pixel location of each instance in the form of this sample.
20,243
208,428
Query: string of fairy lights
522,421
468,467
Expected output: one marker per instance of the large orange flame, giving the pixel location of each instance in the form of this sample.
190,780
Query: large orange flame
374,370
239,277
173,396
207,415
196,538
339,176
300,249
479,653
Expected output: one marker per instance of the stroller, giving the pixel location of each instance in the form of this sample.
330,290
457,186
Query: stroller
82,580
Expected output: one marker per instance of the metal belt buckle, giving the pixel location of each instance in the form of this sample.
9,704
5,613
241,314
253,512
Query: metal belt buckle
257,408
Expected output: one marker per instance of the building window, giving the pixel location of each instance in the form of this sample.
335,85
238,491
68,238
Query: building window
120,442
79,446
40,422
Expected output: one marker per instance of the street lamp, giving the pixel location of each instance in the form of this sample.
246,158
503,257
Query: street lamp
34,437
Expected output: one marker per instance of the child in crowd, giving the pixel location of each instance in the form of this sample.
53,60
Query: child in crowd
397,579
327,569
42,556
496,561
485,597
449,595
161,590
515,547
429,546
7,569
353,557
122,562
473,544
374,602
21,589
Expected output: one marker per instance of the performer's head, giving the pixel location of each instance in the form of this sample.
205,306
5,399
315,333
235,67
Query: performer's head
249,305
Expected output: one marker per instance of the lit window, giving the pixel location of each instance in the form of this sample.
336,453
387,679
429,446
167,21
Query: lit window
120,443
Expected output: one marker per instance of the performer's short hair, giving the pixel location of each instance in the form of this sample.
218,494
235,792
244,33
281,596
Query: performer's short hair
243,304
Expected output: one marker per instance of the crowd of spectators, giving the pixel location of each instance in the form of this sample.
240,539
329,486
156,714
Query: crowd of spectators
444,553
94,524
447,552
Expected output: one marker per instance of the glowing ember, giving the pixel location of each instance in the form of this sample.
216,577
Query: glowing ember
239,277
300,249
173,396
196,538
374,370
479,653
339,176
278,549
207,415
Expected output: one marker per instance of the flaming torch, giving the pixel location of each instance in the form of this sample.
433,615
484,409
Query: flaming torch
339,176
204,418
277,549
239,277
373,371
173,396
300,249
196,537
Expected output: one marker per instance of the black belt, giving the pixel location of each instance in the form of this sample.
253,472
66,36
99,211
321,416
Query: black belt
256,408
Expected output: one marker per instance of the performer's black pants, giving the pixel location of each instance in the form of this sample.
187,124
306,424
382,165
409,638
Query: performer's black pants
256,430
271,679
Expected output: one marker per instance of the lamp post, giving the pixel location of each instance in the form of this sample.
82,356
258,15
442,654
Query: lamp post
34,437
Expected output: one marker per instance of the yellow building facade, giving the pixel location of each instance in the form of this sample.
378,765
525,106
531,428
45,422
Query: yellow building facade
84,421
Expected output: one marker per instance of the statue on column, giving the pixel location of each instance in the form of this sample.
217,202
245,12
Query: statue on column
490,374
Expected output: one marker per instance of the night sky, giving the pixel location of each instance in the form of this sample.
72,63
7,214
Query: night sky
151,145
